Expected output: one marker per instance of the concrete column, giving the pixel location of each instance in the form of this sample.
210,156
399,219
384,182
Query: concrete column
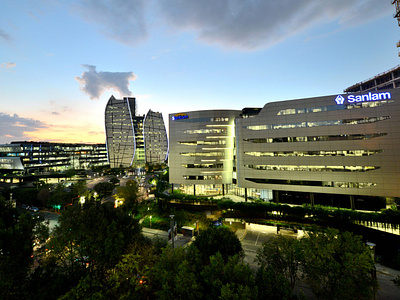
276,194
352,203
312,199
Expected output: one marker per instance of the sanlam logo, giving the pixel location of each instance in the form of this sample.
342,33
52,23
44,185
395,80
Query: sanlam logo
363,98
339,99
179,117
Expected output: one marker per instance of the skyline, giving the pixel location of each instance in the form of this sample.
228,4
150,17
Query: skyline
62,60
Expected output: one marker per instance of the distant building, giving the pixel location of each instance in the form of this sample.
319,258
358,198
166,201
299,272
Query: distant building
155,138
38,157
386,80
120,135
139,158
128,135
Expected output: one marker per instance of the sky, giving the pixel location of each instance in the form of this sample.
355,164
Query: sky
61,60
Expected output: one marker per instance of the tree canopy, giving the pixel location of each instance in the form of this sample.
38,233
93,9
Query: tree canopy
218,239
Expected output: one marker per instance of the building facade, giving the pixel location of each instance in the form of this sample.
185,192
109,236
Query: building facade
385,80
128,135
139,158
120,134
39,157
332,147
341,144
155,138
201,150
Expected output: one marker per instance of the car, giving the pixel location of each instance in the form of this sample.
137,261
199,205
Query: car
24,206
34,209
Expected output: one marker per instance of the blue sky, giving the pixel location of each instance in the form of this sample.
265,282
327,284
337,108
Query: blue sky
61,60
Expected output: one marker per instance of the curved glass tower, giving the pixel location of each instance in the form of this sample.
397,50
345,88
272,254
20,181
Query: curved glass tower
155,138
120,134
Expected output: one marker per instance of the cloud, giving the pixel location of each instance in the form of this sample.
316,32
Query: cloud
5,36
249,25
96,83
121,20
14,127
231,24
8,65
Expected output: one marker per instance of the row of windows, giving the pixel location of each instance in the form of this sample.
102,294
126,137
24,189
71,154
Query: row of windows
202,177
322,138
313,168
315,153
293,111
341,184
198,131
194,143
317,124
219,119
190,166
201,154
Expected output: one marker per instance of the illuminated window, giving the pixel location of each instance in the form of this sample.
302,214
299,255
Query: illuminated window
319,123
315,153
316,138
340,184
293,111
313,168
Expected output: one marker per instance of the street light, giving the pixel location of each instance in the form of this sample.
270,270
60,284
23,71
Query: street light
150,220
172,231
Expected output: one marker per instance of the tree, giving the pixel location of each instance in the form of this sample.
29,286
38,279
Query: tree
44,195
60,196
104,189
114,180
17,235
338,265
129,193
231,280
218,239
281,256
92,237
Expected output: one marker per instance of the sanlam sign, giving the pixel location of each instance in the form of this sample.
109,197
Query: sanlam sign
363,98
180,116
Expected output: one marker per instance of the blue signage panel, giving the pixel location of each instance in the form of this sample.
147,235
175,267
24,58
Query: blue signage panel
180,117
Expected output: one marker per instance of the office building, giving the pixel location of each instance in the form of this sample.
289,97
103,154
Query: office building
129,135
155,138
201,150
139,158
338,149
120,134
385,80
41,157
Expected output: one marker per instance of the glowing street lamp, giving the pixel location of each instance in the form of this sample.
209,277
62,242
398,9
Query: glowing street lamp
150,220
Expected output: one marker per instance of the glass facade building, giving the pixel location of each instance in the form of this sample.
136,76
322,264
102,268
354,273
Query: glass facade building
120,134
38,157
134,140
155,138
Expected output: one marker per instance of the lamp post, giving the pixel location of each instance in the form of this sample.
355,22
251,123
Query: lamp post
172,231
150,220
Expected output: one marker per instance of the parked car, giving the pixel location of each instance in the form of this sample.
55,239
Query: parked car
34,209
24,206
